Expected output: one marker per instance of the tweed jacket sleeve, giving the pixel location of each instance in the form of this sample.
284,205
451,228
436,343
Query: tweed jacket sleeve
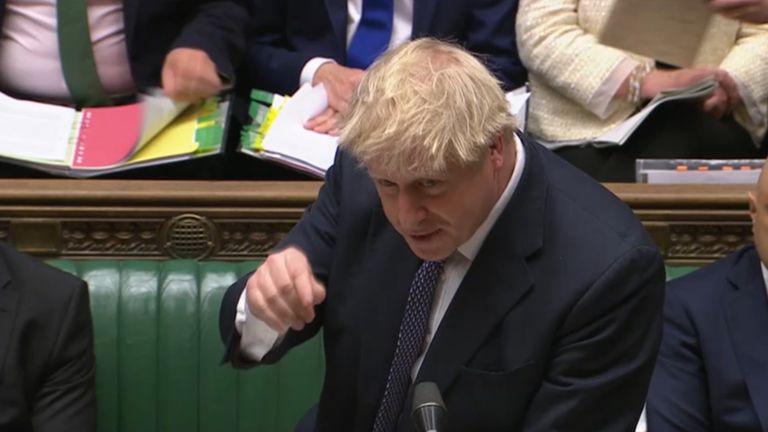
747,63
560,50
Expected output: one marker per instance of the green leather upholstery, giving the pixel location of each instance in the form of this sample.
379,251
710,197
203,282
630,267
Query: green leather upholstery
158,353
677,271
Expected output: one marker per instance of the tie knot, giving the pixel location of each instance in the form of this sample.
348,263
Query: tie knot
429,272
434,265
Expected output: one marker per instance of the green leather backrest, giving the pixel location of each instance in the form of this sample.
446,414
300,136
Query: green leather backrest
158,353
677,271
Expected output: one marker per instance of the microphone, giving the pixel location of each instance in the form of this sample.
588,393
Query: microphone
428,408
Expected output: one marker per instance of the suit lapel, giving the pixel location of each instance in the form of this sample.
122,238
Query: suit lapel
423,13
8,303
747,316
496,281
337,12
390,268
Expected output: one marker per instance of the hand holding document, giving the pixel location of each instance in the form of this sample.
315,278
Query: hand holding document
619,134
277,132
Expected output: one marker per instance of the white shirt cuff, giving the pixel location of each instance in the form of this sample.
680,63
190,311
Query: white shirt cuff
601,102
256,337
309,69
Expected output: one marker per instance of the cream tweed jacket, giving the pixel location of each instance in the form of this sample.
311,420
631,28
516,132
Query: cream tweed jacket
567,66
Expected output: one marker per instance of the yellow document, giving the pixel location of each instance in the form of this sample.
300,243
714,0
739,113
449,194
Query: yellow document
178,138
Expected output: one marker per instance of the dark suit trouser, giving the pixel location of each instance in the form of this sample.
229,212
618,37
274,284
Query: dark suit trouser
671,131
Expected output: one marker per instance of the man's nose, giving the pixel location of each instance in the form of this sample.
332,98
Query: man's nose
411,210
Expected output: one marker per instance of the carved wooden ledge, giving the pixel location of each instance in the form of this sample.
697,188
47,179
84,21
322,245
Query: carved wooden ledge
92,219
691,224
150,219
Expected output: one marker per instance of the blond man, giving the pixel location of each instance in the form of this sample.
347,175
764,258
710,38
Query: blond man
446,248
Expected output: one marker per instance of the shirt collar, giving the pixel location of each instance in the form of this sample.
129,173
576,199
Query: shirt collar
470,248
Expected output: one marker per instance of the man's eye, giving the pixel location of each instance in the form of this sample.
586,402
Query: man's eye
429,184
386,183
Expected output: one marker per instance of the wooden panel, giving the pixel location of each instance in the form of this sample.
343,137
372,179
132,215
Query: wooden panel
692,224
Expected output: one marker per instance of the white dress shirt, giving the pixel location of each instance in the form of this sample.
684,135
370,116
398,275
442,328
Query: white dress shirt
257,338
402,27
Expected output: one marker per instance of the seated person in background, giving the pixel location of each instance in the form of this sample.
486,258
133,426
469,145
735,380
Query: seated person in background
441,248
47,370
581,89
294,42
712,370
754,11
188,48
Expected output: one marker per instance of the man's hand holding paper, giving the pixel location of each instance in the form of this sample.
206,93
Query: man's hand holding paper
340,82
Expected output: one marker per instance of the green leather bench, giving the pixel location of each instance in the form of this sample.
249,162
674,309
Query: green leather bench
158,353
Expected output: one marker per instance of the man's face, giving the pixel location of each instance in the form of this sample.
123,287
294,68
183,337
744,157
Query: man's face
436,215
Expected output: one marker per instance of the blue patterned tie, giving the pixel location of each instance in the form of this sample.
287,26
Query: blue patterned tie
410,341
373,33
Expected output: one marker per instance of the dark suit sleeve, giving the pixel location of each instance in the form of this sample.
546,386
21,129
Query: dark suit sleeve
218,28
604,352
315,234
677,399
271,63
66,400
491,33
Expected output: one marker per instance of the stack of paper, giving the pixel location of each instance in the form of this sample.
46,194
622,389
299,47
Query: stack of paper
278,133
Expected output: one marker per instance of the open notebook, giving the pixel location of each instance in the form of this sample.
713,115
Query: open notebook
94,141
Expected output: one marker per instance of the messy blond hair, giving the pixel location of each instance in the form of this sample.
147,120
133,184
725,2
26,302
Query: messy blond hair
423,107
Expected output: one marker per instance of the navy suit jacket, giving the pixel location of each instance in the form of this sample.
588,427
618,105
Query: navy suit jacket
287,33
712,371
47,365
154,27
555,326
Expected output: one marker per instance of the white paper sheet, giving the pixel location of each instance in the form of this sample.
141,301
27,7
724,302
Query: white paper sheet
288,140
33,130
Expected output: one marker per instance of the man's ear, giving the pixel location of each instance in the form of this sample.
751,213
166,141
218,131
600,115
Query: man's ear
497,151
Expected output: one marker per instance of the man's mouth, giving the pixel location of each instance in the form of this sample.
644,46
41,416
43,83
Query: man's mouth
423,236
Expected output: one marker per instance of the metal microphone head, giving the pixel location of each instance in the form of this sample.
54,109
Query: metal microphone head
428,408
